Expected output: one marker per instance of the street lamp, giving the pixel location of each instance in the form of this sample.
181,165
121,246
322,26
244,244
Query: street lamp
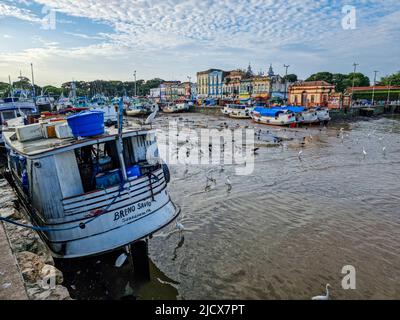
352,88
190,87
134,74
286,66
388,96
373,88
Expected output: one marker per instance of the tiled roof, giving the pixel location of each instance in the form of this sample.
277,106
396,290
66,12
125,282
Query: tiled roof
312,84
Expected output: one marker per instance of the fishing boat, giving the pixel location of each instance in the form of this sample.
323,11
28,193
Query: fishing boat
273,116
10,111
100,102
239,111
303,115
170,107
138,107
44,103
64,102
182,106
91,193
323,114
226,110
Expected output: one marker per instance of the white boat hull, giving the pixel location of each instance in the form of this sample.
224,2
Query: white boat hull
308,117
282,120
122,217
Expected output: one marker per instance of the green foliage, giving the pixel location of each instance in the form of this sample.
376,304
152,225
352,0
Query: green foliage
393,79
112,88
340,80
4,89
291,77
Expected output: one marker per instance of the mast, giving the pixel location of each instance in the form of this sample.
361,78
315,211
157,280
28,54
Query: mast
11,89
120,144
33,86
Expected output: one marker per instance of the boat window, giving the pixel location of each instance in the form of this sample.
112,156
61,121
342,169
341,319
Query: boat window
98,165
7,115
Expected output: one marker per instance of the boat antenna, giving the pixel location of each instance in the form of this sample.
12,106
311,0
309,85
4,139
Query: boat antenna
120,142
11,89
33,85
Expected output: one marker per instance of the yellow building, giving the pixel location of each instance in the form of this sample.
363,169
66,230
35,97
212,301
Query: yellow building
310,93
202,83
260,87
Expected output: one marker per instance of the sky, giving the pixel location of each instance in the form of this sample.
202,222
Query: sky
173,39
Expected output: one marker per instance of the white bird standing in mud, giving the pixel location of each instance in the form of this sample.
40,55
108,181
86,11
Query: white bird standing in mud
300,153
364,152
151,117
384,150
323,297
228,183
179,226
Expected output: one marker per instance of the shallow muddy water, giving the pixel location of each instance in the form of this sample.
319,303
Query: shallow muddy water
283,231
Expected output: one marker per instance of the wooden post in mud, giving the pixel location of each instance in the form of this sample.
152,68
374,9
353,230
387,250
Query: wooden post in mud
140,258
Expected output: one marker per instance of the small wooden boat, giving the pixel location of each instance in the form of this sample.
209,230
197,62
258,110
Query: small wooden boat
239,111
90,194
273,116
170,107
323,114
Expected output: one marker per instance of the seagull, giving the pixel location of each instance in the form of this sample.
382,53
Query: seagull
120,260
179,226
151,117
228,183
325,297
300,153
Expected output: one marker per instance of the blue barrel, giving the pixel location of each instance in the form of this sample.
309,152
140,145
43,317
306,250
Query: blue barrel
133,171
87,123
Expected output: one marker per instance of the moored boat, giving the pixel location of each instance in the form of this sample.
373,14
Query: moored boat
323,114
90,195
239,111
170,107
303,115
273,116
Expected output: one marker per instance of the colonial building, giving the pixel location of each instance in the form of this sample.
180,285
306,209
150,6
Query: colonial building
215,83
231,86
260,87
174,90
278,86
171,90
310,93
209,83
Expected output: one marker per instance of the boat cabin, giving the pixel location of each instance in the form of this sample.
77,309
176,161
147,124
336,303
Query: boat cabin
69,182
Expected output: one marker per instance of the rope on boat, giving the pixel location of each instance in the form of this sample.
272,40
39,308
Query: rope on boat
81,225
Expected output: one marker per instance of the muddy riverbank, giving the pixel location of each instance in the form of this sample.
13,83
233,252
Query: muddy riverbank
41,279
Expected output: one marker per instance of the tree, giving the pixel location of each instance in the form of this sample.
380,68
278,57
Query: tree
321,76
290,77
393,79
341,81
4,89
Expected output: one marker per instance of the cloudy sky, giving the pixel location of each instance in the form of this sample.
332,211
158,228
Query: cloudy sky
173,39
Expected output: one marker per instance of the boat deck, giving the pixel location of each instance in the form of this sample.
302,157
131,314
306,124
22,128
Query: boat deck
43,145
